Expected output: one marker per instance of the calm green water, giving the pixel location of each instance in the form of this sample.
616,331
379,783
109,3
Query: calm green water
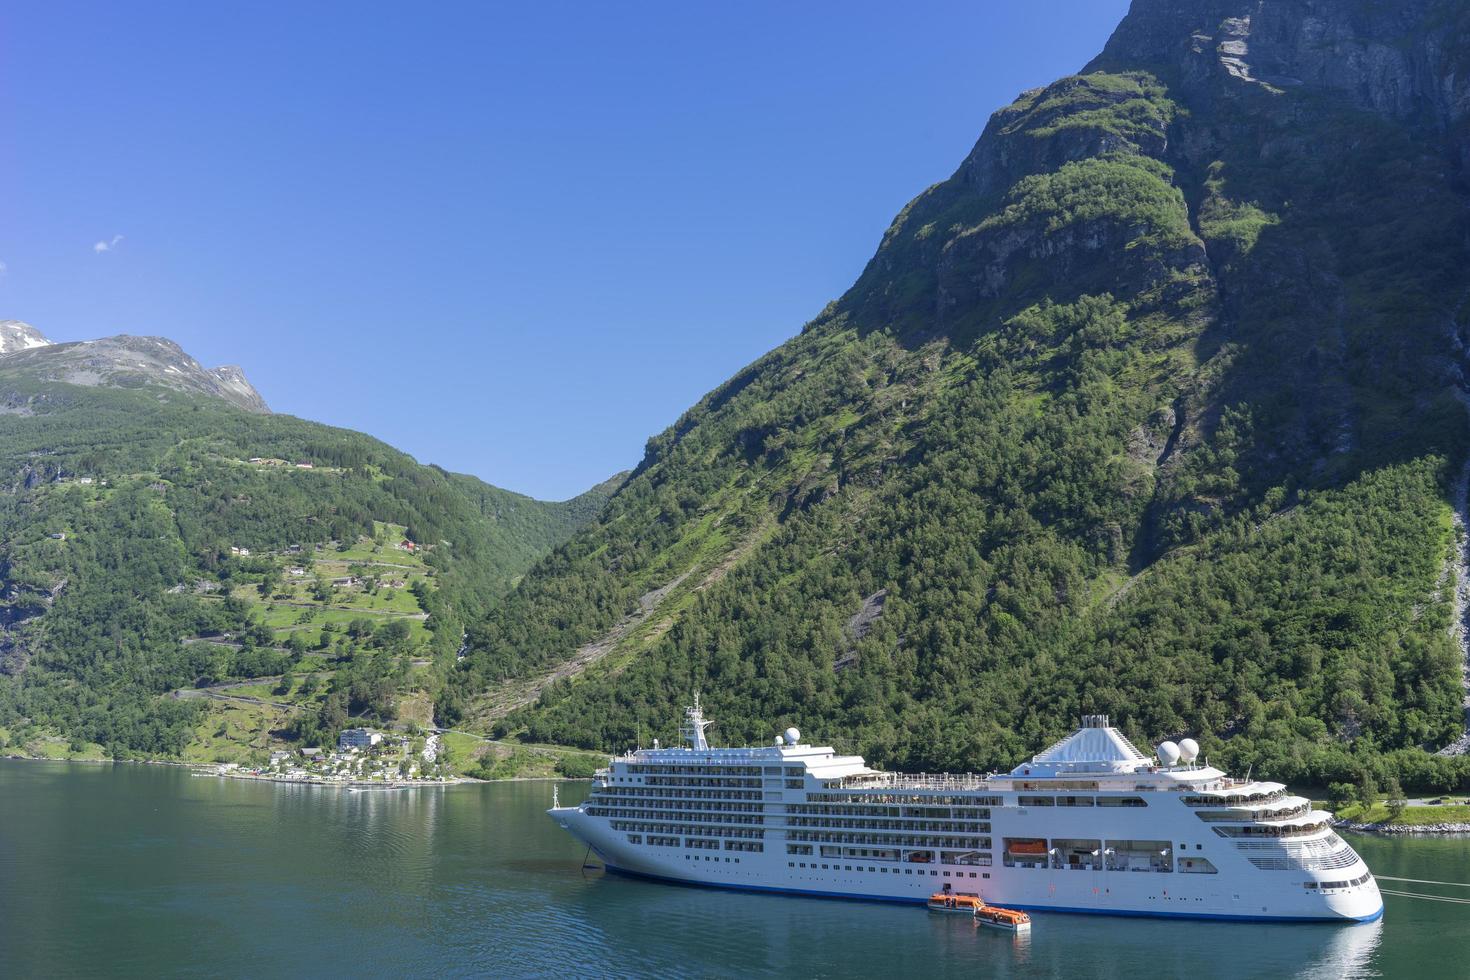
143,870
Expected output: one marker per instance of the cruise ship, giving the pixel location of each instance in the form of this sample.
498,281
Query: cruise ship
1092,824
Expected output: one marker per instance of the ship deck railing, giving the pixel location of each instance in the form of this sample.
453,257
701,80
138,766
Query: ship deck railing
901,780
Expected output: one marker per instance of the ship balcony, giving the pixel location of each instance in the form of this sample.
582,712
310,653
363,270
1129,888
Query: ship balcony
1313,824
1295,807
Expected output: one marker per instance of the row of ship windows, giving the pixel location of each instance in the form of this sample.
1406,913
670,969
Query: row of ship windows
927,812
693,781
931,826
888,854
675,828
697,843
665,770
1124,801
647,770
1094,854
678,793
681,805
601,811
1324,885
892,840
877,870
904,799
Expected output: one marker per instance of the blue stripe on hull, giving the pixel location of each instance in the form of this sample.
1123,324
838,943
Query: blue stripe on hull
895,900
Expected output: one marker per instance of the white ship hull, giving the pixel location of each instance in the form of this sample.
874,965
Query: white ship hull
1138,893
1090,825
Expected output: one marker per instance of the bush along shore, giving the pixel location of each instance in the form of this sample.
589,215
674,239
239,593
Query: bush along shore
1399,817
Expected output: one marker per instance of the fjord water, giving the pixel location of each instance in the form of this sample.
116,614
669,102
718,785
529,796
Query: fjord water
150,871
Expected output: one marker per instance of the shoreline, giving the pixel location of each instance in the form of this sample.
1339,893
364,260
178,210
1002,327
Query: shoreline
1405,830
357,784
209,769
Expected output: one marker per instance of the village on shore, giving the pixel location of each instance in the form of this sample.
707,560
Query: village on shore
363,757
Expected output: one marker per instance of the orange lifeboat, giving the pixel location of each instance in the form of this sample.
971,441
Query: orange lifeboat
1009,920
963,903
1027,847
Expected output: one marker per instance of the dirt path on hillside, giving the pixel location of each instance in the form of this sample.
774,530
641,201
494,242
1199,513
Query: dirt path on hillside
515,694
518,693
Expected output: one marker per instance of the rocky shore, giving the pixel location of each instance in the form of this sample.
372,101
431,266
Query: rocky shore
1404,830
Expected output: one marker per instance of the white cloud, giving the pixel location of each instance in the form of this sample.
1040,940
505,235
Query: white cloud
107,246
4,268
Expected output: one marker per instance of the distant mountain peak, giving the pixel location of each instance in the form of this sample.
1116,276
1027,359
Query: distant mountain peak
16,335
123,361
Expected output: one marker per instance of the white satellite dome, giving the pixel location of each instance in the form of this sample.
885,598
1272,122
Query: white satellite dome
779,740
1168,753
792,736
1188,750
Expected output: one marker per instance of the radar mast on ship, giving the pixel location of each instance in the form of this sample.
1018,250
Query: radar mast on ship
694,726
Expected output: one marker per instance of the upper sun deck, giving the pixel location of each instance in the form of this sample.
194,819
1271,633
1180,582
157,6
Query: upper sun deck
1096,757
819,760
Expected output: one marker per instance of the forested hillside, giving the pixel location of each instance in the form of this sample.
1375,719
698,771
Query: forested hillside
1153,408
154,539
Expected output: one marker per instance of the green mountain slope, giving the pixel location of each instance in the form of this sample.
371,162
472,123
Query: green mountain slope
1152,408
154,536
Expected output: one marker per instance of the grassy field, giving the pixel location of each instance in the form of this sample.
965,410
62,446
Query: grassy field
508,760
395,601
462,751
285,620
1412,816
235,732
49,745
382,547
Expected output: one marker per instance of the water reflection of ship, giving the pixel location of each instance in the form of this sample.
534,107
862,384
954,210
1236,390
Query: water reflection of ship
1347,954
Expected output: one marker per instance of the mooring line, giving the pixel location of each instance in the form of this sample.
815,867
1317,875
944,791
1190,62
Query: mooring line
1427,898
1425,881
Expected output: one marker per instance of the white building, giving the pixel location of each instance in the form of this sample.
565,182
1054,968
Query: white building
359,738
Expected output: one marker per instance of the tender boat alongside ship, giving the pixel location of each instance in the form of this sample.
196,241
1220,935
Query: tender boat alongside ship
1092,824
1007,920
956,903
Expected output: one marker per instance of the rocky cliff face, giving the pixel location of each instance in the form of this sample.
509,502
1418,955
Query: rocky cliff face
240,391
1409,59
123,362
18,336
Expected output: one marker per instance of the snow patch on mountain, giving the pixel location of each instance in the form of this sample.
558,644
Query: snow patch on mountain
16,335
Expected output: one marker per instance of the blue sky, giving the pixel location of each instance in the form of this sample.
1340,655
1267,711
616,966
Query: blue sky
513,240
